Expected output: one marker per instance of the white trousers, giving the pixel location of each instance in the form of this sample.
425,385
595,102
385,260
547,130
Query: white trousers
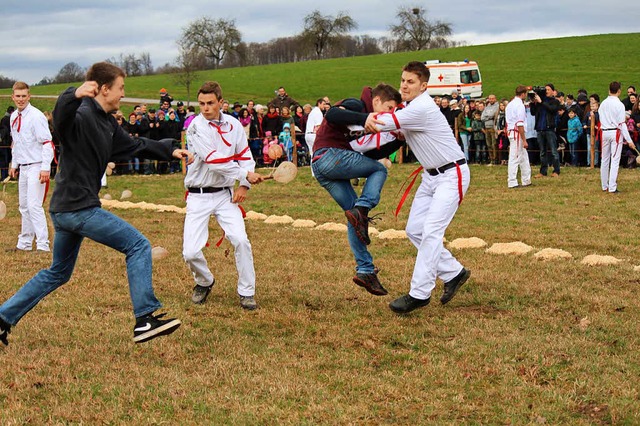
310,138
610,161
433,208
518,157
196,233
30,198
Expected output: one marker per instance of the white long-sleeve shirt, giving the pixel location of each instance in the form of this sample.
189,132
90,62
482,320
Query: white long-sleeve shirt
31,138
612,116
515,115
221,153
313,122
426,131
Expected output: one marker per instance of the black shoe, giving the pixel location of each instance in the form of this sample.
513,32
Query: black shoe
407,303
451,287
357,217
149,327
5,329
370,283
200,293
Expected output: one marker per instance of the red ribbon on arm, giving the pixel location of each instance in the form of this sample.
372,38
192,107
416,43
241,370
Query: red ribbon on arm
413,175
55,159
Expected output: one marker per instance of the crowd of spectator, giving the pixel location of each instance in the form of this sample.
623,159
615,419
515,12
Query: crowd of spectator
479,127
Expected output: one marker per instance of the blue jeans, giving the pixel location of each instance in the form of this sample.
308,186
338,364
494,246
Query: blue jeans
573,152
334,171
464,137
70,229
548,139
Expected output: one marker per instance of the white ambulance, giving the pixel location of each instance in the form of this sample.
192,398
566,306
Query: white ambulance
447,77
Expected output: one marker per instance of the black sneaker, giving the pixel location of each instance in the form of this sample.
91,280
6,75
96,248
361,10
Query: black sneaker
370,283
5,329
357,217
149,327
200,293
451,287
407,303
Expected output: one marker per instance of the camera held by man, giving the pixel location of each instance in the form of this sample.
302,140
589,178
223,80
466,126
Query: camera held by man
536,90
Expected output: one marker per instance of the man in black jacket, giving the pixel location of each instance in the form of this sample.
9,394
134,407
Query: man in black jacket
91,138
545,111
5,143
335,163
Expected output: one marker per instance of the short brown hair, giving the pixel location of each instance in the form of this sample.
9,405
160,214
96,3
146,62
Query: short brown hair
20,85
104,73
386,93
521,89
614,87
211,87
418,68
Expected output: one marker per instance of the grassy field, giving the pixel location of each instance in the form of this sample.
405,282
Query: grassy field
523,342
589,62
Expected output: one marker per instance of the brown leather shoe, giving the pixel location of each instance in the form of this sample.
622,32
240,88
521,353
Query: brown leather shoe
358,218
554,174
370,283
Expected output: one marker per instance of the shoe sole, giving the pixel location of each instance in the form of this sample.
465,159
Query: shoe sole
163,330
370,289
249,308
204,299
463,280
354,222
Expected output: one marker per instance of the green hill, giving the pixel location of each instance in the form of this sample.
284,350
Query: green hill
589,62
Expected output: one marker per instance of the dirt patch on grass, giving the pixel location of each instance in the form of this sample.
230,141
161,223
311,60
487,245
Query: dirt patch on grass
597,413
515,248
597,260
465,243
553,254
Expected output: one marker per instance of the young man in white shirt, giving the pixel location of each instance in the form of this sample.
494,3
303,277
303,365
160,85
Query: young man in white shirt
444,182
614,129
32,154
516,118
222,157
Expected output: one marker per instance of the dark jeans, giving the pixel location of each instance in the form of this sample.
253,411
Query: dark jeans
5,161
547,140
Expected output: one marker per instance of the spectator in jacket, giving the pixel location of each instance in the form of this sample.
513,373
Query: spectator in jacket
283,99
488,119
463,124
272,121
545,111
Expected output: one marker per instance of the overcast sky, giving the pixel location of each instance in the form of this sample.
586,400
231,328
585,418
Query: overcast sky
38,37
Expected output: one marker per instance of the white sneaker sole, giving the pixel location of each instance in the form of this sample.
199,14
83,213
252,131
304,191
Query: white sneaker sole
163,330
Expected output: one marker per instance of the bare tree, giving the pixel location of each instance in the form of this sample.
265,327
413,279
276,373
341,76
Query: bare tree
69,73
187,62
415,32
214,38
145,63
322,30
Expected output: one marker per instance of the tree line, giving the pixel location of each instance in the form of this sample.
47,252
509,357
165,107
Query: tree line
207,43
